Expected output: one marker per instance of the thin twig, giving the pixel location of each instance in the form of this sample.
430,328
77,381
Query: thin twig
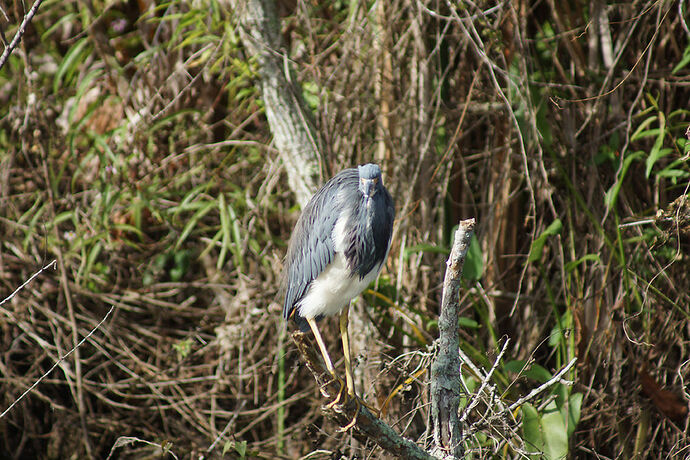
20,32
50,265
58,362
485,382
552,381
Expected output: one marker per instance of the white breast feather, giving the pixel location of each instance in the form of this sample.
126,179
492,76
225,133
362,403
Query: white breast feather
334,287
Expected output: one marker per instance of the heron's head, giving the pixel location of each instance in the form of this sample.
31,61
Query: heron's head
369,180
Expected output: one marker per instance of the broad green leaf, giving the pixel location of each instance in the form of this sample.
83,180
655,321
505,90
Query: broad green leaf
538,373
533,371
574,409
531,430
554,432
515,366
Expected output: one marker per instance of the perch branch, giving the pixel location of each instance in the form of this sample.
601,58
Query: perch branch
368,426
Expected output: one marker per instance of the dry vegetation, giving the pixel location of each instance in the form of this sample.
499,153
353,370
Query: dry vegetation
135,153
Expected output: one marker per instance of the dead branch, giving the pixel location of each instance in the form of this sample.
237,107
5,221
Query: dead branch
558,378
445,371
368,426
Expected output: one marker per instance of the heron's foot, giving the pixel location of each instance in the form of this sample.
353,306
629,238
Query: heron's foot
358,404
341,397
344,397
338,396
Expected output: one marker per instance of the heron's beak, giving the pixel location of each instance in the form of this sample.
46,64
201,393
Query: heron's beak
368,188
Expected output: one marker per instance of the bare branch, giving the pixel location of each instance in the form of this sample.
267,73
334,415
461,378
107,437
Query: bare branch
485,382
551,382
445,371
57,363
50,265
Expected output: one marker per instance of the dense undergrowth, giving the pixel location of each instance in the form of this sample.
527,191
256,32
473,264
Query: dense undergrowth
134,151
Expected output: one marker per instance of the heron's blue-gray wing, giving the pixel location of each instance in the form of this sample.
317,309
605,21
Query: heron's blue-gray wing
311,247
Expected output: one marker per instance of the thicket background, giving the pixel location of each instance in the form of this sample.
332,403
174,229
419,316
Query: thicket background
135,152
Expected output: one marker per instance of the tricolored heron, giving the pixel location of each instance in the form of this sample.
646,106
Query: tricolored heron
337,248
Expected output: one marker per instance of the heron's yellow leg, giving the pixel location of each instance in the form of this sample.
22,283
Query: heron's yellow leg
346,350
322,346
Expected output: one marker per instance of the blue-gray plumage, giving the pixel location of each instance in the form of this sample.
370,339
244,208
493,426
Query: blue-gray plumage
337,248
350,217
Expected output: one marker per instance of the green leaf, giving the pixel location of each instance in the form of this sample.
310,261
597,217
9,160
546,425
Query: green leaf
227,446
183,348
531,429
225,230
467,322
203,209
642,131
538,373
515,366
557,334
683,144
657,152
672,174
533,372
572,265
683,62
575,406
554,432
241,448
612,194
69,64
181,261
546,434
424,247
237,237
537,249
474,263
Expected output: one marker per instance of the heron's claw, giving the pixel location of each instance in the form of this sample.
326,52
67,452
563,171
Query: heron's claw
342,398
341,391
